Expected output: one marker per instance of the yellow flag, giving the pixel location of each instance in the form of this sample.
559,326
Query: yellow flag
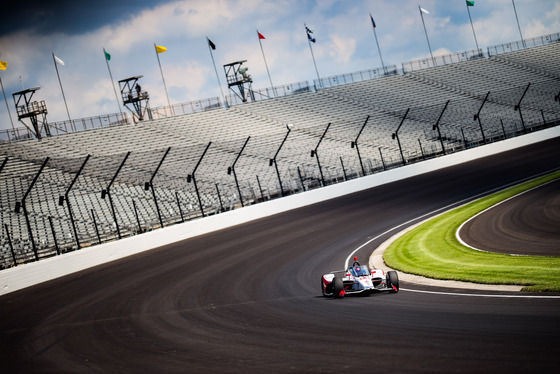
160,49
3,65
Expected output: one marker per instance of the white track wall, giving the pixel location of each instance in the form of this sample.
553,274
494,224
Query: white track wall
26,275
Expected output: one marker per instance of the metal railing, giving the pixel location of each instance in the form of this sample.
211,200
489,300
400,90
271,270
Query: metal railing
428,62
359,76
66,127
186,108
523,44
273,92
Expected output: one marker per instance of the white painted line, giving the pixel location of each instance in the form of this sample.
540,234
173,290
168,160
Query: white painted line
445,209
482,295
433,282
457,233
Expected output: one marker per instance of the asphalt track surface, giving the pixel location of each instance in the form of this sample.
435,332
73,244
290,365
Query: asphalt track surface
248,298
528,224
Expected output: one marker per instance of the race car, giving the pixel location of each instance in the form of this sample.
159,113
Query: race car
358,279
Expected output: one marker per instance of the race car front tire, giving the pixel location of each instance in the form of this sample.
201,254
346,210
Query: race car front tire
338,288
393,281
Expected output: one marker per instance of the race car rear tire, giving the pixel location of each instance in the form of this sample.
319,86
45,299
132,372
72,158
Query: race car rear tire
338,288
393,281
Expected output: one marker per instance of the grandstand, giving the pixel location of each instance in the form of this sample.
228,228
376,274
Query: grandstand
82,188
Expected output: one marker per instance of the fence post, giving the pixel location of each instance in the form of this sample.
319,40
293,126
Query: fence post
10,243
26,214
220,198
179,206
107,192
54,236
95,225
150,184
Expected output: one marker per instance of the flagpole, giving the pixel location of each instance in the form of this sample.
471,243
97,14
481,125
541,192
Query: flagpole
7,107
265,64
519,27
426,32
216,70
472,26
162,79
112,81
61,89
313,56
377,42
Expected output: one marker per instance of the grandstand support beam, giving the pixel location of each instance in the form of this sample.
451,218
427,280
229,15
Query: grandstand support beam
517,108
436,127
275,163
21,204
193,178
396,136
316,155
477,117
232,169
150,185
355,144
107,192
61,200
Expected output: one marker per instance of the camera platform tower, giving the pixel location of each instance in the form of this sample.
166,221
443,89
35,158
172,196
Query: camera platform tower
36,111
133,95
237,77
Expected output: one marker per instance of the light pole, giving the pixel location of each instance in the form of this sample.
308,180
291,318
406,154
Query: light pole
477,117
232,169
396,136
61,200
193,178
289,126
517,108
436,126
355,144
150,185
316,155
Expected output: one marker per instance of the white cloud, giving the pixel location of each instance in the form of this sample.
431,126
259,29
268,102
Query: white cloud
345,43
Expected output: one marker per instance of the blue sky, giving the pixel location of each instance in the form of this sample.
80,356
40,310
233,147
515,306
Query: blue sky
78,31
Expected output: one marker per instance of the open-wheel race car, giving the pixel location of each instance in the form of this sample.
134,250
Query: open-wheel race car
358,279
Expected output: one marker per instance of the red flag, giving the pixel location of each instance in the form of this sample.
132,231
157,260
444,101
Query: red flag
260,35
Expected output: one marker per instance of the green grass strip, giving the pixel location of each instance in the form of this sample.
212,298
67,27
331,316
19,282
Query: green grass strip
433,251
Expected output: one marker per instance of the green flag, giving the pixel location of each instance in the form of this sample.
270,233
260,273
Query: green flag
107,56
470,3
